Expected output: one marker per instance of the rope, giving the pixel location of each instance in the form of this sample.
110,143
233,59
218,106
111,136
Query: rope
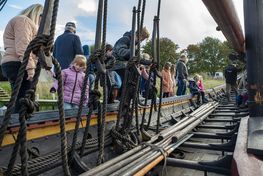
63,136
163,152
2,4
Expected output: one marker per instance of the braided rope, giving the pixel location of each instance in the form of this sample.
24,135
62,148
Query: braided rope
63,136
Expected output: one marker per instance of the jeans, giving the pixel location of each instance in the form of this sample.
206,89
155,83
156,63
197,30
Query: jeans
10,71
70,106
181,87
228,90
91,81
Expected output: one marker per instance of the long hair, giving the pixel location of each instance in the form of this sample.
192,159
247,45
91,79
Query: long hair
80,60
33,12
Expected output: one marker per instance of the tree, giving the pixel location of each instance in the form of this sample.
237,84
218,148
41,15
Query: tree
193,53
208,56
168,51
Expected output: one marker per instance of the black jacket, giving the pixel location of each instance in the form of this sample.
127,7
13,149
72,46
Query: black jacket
231,74
181,70
66,47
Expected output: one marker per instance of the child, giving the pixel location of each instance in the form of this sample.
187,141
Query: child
201,87
167,81
113,80
194,89
73,78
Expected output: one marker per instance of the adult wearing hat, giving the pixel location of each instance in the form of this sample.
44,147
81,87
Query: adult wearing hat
67,46
181,75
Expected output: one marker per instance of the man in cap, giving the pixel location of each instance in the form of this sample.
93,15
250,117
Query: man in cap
181,75
67,46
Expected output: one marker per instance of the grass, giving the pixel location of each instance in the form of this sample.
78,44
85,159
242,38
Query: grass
42,89
211,83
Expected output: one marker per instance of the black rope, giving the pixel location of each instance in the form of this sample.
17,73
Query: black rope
92,104
63,136
2,4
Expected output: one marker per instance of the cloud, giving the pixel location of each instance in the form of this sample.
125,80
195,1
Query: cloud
15,6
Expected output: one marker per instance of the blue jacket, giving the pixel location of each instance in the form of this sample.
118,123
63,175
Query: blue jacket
121,50
66,47
193,87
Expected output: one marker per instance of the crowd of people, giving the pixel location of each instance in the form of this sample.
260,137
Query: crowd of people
72,57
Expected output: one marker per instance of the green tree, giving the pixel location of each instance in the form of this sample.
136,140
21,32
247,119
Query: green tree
193,53
210,55
168,50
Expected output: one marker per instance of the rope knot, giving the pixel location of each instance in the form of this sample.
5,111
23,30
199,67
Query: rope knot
96,55
27,103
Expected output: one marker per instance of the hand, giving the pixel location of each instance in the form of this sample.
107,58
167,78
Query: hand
52,90
30,73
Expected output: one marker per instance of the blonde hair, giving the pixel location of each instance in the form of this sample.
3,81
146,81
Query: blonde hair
184,58
33,12
145,33
80,60
197,77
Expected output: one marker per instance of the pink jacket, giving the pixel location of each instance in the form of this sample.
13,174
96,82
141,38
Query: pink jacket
167,81
72,82
18,34
201,86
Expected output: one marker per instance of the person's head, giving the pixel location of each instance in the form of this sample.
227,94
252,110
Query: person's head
79,62
108,49
146,56
70,26
197,77
172,68
85,50
183,58
144,34
33,12
167,65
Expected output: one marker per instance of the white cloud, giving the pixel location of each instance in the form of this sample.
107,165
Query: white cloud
15,6
88,6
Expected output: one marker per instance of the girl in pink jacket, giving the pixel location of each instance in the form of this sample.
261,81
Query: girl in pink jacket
167,81
73,78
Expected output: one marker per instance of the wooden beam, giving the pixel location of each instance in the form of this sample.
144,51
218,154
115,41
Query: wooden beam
224,13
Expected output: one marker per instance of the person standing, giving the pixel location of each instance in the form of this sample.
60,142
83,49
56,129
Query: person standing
181,75
67,46
73,78
19,32
231,79
121,50
91,68
167,81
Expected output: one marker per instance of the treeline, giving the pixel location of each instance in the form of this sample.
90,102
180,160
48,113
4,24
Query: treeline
210,55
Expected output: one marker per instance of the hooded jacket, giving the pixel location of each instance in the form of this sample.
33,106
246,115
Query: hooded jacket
72,82
66,47
121,50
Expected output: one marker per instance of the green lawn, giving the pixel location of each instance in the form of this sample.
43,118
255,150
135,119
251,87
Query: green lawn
42,89
211,83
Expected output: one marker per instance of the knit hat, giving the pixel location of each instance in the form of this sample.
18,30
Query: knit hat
70,26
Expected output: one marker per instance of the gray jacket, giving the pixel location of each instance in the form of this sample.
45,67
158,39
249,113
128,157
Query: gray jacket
181,70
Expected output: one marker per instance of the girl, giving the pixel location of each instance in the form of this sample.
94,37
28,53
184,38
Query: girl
199,82
167,81
73,78
19,31
172,71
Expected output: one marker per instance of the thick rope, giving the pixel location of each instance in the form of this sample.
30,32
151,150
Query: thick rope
63,136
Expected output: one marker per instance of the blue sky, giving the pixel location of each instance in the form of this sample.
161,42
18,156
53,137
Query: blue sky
179,22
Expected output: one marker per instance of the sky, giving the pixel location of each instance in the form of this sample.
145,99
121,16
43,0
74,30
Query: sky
183,21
